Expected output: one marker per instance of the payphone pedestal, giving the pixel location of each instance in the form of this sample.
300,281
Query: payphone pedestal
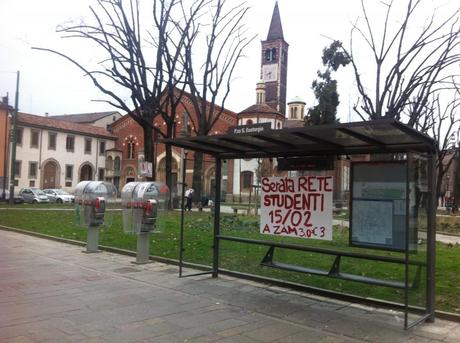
91,198
143,248
92,241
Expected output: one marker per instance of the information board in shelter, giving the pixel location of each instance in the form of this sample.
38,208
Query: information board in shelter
378,215
297,206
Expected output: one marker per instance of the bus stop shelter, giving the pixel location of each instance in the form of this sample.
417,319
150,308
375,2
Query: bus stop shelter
386,141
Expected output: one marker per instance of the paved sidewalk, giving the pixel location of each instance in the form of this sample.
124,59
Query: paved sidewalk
52,292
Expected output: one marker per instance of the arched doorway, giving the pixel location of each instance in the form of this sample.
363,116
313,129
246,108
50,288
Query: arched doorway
210,182
50,174
116,165
86,173
116,172
130,174
246,181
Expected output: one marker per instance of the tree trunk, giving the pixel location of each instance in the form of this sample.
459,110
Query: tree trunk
168,164
456,168
440,172
197,183
148,149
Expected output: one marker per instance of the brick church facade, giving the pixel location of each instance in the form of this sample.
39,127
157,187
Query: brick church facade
129,148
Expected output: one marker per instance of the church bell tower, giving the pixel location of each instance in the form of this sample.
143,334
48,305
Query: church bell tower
274,64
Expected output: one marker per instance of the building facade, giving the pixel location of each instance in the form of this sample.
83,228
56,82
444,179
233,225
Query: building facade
450,186
129,149
52,153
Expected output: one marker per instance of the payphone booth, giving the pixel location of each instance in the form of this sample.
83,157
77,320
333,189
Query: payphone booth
91,201
387,254
143,203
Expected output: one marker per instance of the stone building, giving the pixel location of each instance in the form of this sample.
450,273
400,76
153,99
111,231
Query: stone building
52,153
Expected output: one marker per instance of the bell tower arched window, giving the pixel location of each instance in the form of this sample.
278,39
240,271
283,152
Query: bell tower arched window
131,149
130,143
271,55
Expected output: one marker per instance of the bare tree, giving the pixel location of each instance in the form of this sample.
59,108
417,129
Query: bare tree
415,66
223,36
143,57
409,66
441,121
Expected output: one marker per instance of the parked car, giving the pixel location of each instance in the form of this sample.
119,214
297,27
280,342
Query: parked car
33,195
59,196
17,199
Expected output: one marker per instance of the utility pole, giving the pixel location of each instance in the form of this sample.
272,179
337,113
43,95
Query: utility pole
5,100
14,137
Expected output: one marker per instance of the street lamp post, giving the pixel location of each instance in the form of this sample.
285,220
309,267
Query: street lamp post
13,138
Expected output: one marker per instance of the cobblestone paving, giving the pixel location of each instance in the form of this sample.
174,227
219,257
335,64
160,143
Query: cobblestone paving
52,292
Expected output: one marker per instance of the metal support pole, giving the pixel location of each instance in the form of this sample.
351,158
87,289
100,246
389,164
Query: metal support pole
143,248
92,241
182,209
431,238
215,259
410,158
14,137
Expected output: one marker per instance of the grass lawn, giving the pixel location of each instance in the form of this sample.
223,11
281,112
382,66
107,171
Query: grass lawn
246,258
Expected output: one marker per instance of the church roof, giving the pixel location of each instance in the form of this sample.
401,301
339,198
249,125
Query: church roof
260,109
49,123
276,29
296,100
85,118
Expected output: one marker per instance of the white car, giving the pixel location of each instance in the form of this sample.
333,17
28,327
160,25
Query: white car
33,195
59,196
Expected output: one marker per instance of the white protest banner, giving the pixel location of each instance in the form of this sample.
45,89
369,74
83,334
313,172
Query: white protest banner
145,169
297,206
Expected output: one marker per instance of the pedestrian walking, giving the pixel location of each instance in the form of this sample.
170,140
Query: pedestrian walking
188,199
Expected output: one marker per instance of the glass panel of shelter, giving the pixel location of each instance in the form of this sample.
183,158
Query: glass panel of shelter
417,253
387,134
192,226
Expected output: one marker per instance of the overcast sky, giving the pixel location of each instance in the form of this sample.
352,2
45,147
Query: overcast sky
50,84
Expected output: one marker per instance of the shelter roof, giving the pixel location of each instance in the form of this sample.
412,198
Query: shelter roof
377,136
